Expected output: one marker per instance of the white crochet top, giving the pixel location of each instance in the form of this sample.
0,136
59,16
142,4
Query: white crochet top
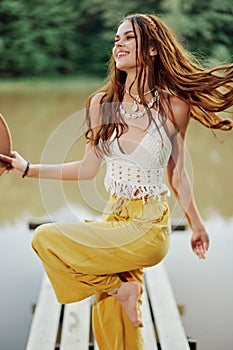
140,173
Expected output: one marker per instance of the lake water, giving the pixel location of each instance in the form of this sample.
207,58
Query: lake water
204,288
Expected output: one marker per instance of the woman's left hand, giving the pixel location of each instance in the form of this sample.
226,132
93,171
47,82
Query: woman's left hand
200,243
14,162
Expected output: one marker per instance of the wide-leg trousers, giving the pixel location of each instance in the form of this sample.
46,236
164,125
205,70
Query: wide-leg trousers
92,258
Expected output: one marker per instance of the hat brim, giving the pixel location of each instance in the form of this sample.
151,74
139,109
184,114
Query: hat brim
5,142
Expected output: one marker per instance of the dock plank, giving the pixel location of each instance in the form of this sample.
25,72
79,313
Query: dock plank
168,323
148,331
45,322
76,326
96,345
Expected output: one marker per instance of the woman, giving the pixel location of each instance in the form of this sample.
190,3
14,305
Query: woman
137,123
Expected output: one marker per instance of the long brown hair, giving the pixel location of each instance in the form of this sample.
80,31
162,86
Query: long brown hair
173,70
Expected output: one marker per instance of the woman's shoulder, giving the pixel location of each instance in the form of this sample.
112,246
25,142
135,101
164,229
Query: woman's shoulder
177,110
93,105
96,98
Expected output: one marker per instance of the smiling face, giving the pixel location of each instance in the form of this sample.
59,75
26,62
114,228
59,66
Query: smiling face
124,50
127,51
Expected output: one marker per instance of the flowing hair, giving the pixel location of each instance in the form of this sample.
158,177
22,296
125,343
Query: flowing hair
174,71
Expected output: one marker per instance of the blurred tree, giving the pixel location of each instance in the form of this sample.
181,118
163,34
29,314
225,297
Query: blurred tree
13,26
36,38
47,37
92,53
206,26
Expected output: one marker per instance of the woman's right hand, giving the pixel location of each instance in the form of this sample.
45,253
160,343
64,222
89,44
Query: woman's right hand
15,162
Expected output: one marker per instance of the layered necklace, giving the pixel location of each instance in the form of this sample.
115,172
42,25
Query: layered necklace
135,108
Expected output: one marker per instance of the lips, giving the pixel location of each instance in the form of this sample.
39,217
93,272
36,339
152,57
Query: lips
121,53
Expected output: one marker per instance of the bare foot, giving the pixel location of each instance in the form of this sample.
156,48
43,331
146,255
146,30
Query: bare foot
127,294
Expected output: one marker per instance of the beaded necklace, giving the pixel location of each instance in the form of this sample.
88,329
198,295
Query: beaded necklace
135,106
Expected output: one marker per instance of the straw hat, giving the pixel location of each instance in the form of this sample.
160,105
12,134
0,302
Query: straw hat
5,142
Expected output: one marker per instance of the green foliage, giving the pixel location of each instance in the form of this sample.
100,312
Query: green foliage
207,27
70,37
36,38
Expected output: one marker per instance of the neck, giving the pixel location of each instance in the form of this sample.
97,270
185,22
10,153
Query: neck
134,87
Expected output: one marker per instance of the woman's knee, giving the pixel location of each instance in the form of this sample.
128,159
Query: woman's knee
40,235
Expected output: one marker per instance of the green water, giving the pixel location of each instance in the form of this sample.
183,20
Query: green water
34,110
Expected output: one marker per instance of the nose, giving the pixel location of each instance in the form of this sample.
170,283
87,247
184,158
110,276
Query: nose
119,43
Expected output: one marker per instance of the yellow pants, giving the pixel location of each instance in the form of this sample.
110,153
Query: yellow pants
92,258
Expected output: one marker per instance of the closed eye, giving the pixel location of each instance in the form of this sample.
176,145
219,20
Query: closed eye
126,35
130,37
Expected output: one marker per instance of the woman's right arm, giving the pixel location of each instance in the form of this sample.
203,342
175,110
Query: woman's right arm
84,169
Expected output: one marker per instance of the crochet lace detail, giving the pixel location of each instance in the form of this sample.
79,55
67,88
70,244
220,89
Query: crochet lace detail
140,173
128,181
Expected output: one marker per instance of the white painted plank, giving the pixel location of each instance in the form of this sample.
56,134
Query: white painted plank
76,326
168,322
148,332
45,322
95,345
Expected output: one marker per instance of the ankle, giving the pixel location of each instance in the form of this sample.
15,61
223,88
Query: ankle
113,292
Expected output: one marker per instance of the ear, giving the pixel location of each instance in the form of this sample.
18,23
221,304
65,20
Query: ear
152,51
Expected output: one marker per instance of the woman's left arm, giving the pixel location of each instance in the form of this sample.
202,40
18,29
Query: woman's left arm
180,181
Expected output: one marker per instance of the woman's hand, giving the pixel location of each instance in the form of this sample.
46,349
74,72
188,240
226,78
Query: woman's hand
15,162
200,243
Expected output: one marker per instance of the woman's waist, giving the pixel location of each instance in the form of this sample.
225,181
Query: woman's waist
141,211
137,198
136,190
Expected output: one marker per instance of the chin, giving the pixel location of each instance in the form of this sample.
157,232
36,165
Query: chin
123,67
120,66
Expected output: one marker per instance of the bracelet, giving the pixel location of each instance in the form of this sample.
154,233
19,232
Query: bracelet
26,170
